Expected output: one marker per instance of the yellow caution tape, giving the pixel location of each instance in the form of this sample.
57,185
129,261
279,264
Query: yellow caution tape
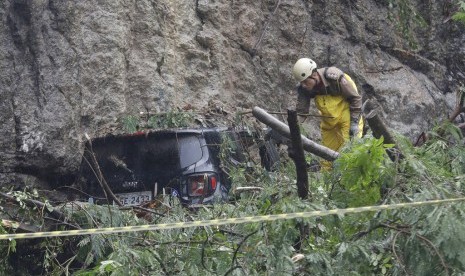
217,222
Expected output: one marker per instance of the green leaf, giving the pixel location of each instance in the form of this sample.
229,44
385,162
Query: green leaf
459,16
462,5
131,123
108,266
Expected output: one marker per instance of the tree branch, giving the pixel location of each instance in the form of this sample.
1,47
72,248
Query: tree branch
239,246
35,203
203,255
424,239
393,247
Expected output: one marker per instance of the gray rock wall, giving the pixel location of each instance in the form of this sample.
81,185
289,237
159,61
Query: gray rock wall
74,67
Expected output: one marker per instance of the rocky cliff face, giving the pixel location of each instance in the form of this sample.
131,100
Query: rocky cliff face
74,67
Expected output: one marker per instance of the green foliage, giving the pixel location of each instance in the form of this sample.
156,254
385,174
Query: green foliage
405,16
363,168
171,119
446,149
131,123
460,14
6,247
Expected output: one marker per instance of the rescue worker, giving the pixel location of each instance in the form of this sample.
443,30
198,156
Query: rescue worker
336,97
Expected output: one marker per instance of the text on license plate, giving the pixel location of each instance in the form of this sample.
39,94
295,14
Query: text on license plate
131,199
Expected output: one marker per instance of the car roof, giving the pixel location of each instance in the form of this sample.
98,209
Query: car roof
162,132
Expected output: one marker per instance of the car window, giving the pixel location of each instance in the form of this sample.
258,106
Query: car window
233,145
161,155
190,150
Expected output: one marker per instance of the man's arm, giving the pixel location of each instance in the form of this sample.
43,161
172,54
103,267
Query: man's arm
349,91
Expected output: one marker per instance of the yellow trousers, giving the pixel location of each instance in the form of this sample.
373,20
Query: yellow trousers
335,131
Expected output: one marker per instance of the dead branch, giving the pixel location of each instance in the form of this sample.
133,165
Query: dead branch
246,189
421,139
255,47
457,111
385,70
101,180
460,106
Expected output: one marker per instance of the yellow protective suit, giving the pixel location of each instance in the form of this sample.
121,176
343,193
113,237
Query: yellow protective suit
335,131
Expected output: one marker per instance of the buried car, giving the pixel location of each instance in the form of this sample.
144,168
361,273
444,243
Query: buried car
182,162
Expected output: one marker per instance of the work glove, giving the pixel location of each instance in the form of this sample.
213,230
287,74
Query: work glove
354,123
353,129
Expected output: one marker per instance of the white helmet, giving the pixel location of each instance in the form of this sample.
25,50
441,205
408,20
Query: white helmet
303,68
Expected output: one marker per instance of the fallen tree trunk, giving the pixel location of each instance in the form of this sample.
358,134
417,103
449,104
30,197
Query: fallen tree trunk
283,129
376,123
379,129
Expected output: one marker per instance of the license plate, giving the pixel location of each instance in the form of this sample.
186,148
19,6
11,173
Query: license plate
132,199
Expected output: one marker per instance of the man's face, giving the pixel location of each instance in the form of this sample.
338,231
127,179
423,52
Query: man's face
310,82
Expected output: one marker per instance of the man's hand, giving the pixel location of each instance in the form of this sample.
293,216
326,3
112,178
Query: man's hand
353,128
355,118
